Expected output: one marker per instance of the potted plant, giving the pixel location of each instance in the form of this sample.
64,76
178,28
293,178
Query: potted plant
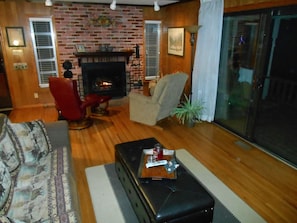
187,112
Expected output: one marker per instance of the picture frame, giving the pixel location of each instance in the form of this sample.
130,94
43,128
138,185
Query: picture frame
15,36
80,48
176,41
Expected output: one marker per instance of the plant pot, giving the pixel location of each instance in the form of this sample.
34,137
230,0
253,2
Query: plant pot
190,123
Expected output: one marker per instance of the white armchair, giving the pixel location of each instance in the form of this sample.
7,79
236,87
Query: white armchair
150,109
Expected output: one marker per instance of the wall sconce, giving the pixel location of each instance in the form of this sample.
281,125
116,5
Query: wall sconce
15,36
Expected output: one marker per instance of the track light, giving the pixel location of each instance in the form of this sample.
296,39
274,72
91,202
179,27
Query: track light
113,5
156,6
48,3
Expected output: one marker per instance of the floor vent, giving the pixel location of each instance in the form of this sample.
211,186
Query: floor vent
243,145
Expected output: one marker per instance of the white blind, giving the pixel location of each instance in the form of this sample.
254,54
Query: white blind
44,49
152,41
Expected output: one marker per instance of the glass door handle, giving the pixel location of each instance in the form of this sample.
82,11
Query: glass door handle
260,82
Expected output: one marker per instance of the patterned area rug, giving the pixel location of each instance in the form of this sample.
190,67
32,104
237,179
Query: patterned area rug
111,204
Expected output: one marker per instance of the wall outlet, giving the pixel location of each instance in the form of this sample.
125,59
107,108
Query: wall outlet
36,95
20,66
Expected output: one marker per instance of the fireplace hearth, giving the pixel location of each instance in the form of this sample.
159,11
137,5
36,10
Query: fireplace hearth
104,78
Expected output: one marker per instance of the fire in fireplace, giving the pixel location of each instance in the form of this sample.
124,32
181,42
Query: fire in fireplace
104,78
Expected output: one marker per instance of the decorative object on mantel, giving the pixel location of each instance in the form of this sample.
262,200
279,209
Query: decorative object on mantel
137,51
80,48
103,21
105,48
98,54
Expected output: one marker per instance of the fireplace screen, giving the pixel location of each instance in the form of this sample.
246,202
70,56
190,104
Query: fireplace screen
104,78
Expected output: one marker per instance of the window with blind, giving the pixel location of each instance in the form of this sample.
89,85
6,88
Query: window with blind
44,49
152,49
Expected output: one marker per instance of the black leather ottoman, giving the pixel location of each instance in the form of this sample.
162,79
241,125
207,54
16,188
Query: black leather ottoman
179,200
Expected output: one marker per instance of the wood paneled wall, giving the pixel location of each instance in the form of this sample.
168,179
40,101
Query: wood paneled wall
176,15
244,5
24,83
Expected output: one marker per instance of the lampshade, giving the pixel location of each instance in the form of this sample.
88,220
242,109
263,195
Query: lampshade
192,29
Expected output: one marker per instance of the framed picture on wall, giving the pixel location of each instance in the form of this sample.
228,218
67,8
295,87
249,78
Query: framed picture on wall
176,41
15,36
80,48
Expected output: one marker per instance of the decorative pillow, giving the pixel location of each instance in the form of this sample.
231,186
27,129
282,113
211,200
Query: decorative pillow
4,219
6,188
33,139
9,148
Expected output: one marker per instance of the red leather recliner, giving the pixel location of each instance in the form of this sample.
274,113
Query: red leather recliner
69,104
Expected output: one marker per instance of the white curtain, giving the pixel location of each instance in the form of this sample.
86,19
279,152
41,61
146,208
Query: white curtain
207,56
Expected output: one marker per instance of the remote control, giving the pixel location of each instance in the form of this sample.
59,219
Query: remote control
157,163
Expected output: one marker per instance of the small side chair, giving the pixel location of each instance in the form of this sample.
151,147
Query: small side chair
69,104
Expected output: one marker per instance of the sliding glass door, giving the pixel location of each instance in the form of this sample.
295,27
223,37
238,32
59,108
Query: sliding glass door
240,69
257,88
275,128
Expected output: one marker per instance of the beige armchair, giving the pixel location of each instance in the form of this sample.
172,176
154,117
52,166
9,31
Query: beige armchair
166,96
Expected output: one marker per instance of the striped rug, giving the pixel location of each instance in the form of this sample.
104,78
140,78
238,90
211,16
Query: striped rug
111,204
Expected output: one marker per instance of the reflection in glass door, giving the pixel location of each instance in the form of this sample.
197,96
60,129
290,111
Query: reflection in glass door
237,72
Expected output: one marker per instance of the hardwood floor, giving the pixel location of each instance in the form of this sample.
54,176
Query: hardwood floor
263,182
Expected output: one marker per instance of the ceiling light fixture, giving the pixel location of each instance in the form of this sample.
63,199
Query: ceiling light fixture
113,5
156,6
48,3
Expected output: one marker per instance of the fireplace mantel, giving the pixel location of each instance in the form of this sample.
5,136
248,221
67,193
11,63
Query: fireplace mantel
101,54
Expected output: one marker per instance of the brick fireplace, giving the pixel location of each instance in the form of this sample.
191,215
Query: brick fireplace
103,73
104,78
